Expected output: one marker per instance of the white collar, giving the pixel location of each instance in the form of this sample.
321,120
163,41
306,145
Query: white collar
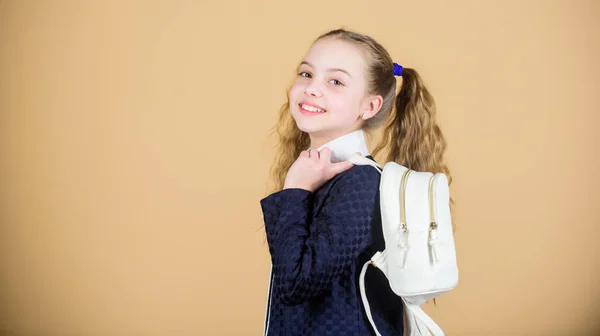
344,147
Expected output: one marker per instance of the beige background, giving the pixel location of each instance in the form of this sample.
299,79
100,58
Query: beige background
134,151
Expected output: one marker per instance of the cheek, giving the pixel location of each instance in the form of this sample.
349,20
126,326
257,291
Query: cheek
295,91
345,106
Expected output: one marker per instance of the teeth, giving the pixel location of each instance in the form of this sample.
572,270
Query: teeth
312,108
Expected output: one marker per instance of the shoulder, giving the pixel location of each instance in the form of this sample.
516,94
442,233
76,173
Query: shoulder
362,172
360,178
353,192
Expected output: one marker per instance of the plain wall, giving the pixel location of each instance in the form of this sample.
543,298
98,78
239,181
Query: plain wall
134,143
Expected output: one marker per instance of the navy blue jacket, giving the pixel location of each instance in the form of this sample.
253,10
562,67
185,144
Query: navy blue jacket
318,243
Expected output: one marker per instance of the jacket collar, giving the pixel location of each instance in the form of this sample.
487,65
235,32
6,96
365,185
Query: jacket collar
344,147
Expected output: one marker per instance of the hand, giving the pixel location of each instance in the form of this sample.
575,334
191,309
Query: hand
312,169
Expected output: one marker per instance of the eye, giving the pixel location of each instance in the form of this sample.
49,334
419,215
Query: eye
304,74
336,82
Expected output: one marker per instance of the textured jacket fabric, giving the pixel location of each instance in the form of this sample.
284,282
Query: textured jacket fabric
318,243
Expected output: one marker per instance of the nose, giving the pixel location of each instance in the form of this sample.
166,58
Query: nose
312,89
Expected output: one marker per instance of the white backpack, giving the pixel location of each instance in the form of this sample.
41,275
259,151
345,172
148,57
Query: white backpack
419,259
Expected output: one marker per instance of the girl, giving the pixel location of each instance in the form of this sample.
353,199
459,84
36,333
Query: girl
323,220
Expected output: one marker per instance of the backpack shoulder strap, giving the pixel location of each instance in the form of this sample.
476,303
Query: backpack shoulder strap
378,260
419,323
360,160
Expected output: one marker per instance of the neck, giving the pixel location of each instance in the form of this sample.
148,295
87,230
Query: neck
317,140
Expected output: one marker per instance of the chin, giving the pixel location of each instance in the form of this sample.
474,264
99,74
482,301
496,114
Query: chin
308,124
307,127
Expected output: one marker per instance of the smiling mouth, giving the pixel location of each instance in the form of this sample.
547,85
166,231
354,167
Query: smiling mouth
311,109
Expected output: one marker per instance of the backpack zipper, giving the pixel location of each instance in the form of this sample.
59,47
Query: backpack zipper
403,241
433,222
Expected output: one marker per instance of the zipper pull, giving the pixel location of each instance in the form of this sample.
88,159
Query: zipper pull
433,243
403,244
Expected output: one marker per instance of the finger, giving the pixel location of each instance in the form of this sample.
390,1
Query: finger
325,154
314,154
339,167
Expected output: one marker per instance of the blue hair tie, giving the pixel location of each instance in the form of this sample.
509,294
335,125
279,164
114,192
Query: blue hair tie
397,69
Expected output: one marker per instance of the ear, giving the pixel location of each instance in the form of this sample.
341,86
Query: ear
371,106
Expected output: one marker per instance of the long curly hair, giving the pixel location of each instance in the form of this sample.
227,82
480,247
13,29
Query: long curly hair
411,135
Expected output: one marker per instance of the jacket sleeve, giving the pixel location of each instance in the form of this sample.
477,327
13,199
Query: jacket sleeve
309,250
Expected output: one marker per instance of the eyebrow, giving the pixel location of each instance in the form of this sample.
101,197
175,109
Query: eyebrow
330,69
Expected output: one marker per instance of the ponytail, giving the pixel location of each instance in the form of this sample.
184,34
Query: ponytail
412,136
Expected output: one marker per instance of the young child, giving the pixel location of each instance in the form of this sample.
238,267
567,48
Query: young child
323,220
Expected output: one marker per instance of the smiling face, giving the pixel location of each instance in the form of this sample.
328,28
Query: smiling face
330,96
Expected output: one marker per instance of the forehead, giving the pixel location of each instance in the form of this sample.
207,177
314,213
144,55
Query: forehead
335,53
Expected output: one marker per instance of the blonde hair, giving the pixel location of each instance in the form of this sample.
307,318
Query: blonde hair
411,134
